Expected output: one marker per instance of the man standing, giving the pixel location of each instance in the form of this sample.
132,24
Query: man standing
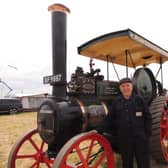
130,118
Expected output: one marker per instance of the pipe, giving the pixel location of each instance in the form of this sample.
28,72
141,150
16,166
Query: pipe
59,40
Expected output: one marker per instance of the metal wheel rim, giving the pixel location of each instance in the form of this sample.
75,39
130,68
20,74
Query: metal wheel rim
73,145
38,157
164,132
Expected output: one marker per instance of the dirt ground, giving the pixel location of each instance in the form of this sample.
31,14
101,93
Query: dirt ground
14,126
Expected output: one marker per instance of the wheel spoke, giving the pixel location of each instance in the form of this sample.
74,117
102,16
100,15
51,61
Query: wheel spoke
81,157
34,144
93,156
42,146
48,162
89,151
24,156
33,165
102,156
38,164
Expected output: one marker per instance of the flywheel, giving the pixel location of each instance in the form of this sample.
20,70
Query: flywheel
145,84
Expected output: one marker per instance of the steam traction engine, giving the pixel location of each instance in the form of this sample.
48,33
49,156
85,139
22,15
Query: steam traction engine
63,137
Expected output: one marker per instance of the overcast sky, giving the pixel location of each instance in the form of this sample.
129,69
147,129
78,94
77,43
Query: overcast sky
25,35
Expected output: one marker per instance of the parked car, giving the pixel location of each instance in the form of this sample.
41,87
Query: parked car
11,106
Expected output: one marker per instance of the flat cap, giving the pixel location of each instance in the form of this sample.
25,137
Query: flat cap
125,80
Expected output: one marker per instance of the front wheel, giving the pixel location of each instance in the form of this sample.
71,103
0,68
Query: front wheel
86,150
29,152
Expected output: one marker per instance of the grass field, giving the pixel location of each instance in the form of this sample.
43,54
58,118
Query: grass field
14,126
11,128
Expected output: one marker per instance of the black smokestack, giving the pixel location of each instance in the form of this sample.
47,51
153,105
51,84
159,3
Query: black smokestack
59,40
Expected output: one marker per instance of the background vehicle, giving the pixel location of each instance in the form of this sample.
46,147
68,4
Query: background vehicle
78,106
10,105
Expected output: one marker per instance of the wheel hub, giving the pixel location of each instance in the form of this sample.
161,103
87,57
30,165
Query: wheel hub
40,157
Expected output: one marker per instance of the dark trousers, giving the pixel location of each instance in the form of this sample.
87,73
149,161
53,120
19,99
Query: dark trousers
137,148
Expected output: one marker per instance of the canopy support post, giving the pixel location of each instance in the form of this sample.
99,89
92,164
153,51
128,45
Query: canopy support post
115,69
126,62
161,70
107,67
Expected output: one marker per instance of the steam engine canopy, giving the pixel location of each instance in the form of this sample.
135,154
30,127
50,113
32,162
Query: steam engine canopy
114,45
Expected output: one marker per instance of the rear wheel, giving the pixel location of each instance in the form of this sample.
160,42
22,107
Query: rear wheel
159,140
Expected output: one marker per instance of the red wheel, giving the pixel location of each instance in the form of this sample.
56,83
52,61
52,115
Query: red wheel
159,139
86,150
164,131
29,151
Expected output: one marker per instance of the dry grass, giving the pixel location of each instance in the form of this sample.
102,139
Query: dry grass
12,127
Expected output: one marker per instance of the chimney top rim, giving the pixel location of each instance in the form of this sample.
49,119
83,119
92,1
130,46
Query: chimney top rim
59,8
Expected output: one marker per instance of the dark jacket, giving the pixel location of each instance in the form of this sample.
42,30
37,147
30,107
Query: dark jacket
128,118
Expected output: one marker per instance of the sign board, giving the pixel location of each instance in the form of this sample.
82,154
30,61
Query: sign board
52,79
